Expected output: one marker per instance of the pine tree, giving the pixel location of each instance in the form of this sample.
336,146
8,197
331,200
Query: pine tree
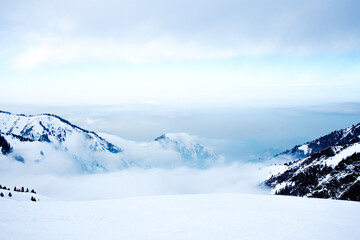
1,195
27,190
5,146
15,189
22,189
33,199
10,195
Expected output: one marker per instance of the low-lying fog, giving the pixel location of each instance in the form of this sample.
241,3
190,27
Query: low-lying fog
244,178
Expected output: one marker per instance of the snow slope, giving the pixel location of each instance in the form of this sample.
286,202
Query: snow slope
205,216
331,173
54,129
48,143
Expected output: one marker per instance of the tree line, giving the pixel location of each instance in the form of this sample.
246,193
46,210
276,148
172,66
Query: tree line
22,189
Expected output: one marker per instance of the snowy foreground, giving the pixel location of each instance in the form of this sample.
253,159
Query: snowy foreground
197,216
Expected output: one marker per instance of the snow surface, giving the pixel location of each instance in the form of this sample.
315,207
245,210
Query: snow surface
22,196
347,152
201,216
304,148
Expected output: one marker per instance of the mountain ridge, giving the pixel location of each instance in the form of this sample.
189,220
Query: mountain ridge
33,139
337,137
331,172
27,129
37,140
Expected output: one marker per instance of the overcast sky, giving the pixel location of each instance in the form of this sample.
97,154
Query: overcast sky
180,52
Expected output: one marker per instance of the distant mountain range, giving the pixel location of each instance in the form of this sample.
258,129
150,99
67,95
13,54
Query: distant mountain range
50,141
335,138
329,167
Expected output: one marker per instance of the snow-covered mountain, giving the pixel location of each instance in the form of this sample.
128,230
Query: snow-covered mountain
42,139
47,141
193,153
340,137
331,172
52,128
167,151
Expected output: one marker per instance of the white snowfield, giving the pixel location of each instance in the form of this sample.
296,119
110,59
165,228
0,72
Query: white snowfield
347,152
185,217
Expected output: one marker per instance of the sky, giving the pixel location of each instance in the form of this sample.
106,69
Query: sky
180,53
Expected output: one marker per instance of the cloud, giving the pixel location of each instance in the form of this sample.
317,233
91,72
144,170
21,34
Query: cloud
243,178
62,51
91,121
140,32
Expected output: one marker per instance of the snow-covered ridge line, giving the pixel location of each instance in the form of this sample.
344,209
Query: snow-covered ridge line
339,137
42,126
328,167
333,172
55,116
47,142
33,140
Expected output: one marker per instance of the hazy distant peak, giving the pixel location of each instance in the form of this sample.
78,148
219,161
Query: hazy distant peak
191,150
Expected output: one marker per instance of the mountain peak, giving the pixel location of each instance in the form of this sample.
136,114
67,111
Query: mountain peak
193,153
50,128
36,140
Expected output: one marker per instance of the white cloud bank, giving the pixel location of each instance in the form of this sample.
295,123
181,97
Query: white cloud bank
244,178
59,32
62,51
